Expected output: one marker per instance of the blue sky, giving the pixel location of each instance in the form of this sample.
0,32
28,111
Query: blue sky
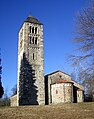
58,17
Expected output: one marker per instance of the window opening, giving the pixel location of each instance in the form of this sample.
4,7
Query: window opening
36,40
35,30
56,91
32,29
33,56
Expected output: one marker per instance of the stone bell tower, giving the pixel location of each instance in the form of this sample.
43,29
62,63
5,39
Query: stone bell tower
30,88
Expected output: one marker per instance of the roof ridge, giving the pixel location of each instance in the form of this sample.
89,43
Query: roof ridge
56,72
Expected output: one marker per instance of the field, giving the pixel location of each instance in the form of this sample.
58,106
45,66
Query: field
60,111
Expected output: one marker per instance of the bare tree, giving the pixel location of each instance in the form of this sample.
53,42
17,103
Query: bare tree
85,39
89,86
14,90
85,36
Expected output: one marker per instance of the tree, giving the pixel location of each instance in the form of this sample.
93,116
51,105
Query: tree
5,101
85,39
14,90
1,88
89,86
27,89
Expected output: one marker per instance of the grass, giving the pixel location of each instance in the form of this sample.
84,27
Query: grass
60,111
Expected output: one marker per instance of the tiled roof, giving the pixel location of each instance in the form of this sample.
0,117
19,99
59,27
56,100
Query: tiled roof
79,89
63,81
31,19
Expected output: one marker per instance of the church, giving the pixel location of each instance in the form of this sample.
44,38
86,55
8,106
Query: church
33,88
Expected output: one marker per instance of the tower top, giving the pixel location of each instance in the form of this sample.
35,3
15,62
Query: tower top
31,19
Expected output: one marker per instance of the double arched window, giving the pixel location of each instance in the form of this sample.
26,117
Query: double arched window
33,40
33,30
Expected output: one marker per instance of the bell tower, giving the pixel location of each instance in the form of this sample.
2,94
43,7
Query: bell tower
30,88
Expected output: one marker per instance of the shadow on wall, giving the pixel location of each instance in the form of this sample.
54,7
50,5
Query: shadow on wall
27,89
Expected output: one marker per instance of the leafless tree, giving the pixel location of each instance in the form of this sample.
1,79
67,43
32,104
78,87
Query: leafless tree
85,36
14,90
85,39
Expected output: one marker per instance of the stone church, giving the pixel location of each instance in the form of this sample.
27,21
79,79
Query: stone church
33,88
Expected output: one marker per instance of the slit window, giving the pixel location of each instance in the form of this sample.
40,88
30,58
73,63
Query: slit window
32,29
35,30
36,40
33,56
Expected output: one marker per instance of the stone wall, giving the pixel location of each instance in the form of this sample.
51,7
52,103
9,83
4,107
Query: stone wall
13,100
80,97
62,92
33,47
50,81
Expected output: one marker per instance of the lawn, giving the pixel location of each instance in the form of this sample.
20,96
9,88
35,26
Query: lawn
60,111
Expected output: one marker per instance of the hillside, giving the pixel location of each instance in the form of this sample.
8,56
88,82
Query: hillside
61,111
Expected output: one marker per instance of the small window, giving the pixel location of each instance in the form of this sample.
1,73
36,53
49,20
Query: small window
33,56
32,29
56,91
36,40
35,30
30,39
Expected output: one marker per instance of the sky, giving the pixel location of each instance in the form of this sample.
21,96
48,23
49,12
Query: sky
58,18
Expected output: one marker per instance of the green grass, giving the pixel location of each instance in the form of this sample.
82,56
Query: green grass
60,111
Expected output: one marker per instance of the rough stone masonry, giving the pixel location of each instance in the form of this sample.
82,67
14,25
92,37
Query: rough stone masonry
30,51
32,87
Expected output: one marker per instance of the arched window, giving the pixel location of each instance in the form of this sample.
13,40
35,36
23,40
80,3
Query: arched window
32,29
36,40
35,30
